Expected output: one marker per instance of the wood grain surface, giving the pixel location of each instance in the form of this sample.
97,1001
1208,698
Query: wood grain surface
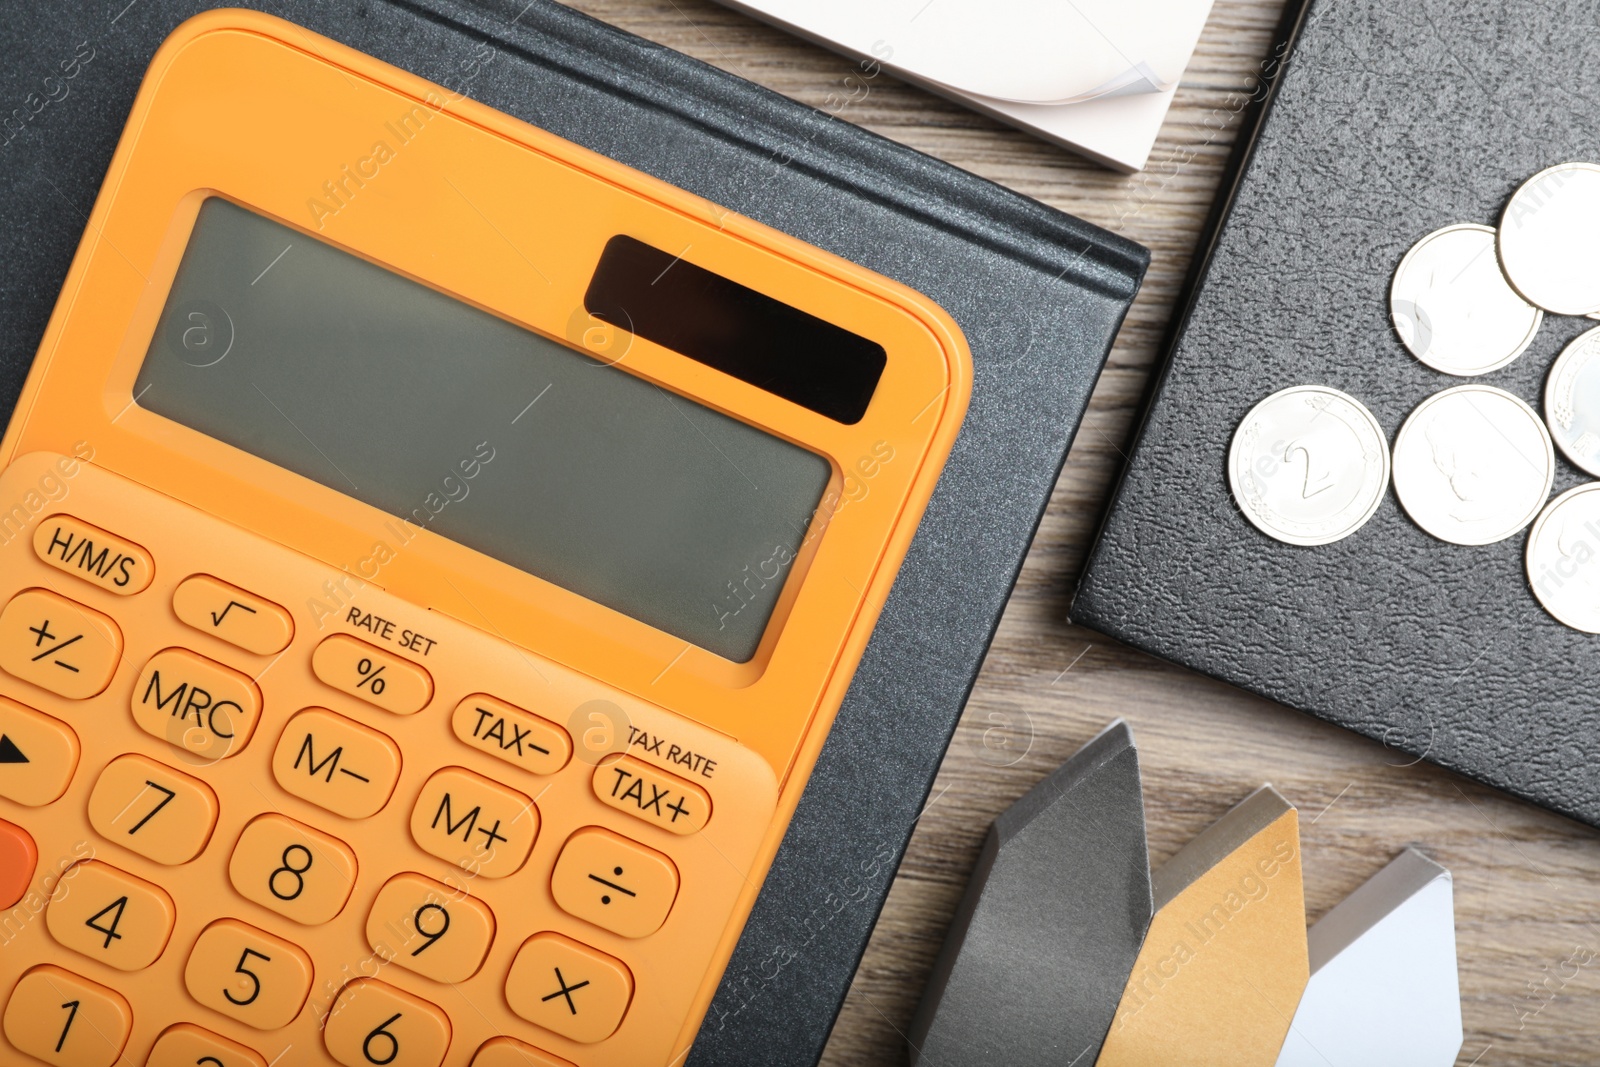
1527,883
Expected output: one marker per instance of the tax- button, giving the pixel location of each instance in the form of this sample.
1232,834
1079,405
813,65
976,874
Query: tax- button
61,1018
187,1045
373,675
110,916
214,607
88,552
37,755
335,763
614,883
19,856
659,798
569,988
507,732
372,1022
198,705
478,825
58,644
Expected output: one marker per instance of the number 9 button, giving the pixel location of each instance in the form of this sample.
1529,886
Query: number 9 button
424,926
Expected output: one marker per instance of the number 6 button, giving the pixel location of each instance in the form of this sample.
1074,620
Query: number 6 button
248,975
373,1024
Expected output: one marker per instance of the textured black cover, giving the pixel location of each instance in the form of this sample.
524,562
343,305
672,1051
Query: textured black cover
1038,294
1389,120
1040,949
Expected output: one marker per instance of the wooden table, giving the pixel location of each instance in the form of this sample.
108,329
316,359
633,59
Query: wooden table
1527,883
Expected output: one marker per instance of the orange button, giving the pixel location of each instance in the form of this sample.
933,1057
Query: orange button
372,1022
58,644
196,704
338,764
659,798
300,873
61,1018
569,988
478,825
110,916
214,607
149,808
19,857
507,732
187,1045
88,552
376,676
248,975
614,883
429,928
509,1052
37,755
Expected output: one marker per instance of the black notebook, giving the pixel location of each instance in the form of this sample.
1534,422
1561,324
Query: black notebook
1387,122
1038,294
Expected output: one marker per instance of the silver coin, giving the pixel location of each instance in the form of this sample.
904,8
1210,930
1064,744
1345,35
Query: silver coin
1452,307
1572,401
1564,558
1549,234
1473,465
1309,465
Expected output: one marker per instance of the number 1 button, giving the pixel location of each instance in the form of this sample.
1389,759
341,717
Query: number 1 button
373,1024
59,1018
248,975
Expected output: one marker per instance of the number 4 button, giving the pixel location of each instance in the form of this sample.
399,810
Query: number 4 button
373,1024
110,916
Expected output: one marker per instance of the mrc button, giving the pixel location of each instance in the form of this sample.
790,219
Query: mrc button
659,798
88,552
196,704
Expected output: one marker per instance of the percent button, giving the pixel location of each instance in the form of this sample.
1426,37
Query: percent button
376,676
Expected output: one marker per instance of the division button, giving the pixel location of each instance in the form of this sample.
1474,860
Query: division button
38,755
58,644
149,808
88,552
19,857
338,764
60,1018
214,607
474,824
197,704
569,988
373,675
507,732
615,883
660,799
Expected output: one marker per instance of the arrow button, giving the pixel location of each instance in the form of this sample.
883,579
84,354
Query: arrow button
38,755
9,752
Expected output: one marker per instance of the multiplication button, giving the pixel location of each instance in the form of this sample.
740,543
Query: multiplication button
569,988
58,644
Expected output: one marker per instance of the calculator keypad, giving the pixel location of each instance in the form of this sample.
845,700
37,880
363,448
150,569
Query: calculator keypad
287,867
37,755
248,974
149,808
109,915
63,1018
58,644
405,804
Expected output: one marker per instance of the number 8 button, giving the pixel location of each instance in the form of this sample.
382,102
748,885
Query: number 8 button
300,873
373,1024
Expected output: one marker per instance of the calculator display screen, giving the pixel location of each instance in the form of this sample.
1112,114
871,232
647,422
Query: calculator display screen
460,423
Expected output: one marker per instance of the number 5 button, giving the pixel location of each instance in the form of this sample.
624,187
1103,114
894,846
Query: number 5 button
248,975
375,1023
153,810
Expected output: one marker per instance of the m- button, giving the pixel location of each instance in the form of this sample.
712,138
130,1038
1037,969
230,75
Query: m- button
58,644
342,766
659,798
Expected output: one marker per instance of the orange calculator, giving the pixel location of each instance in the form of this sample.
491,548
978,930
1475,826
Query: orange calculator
431,557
